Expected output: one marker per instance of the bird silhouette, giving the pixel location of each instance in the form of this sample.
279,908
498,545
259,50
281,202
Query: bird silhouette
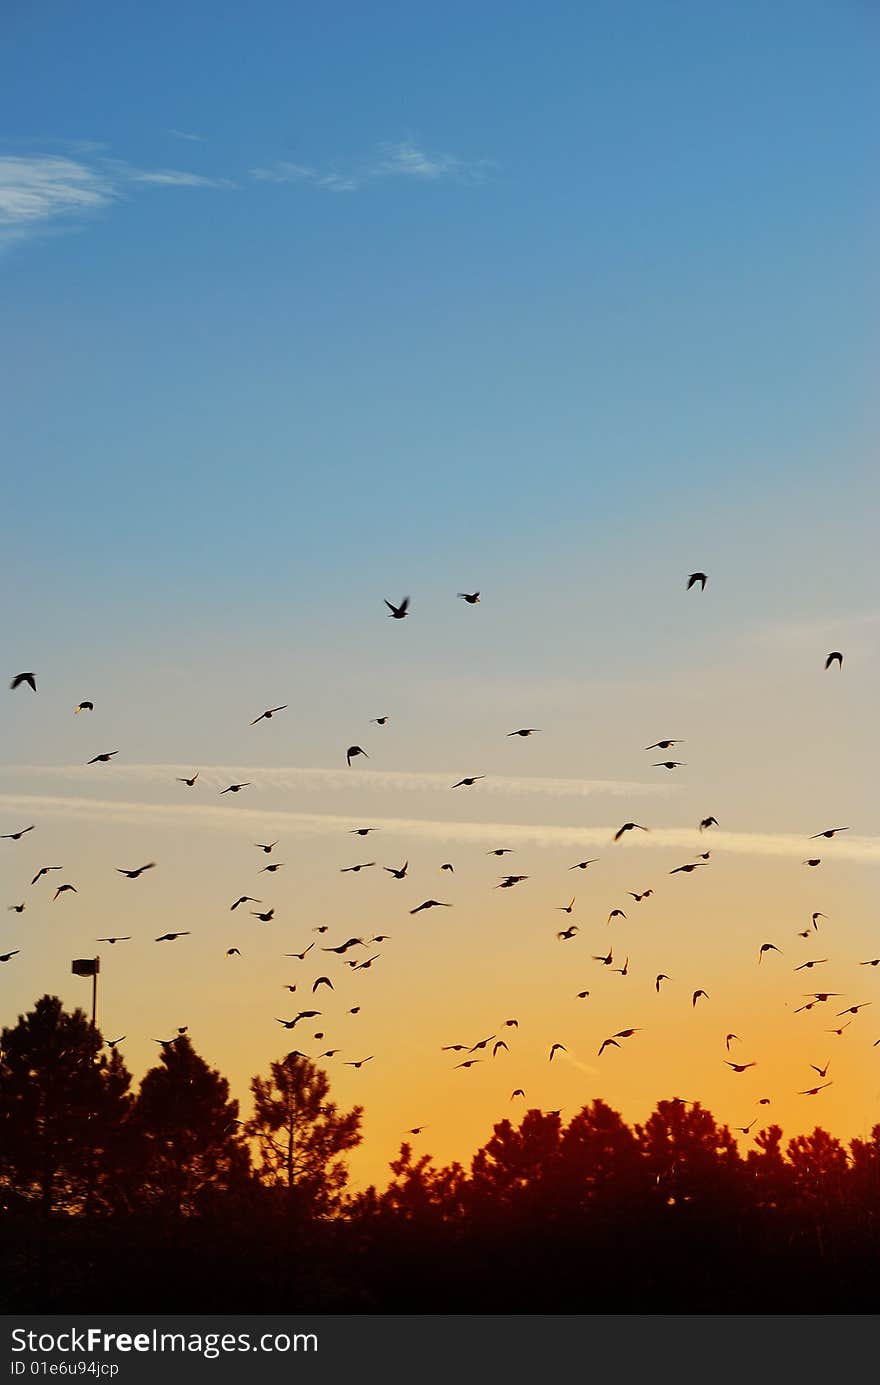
765,948
498,1045
646,894
829,832
399,872
244,899
670,764
501,851
739,1067
171,937
813,861
235,788
663,745
379,721
232,952
265,846
103,758
472,598
133,874
189,782
615,914
566,908
823,1072
727,1039
517,1091
65,889
466,783
17,908
269,713
744,1129
322,981
813,962
398,612
582,865
83,707
606,960
430,904
117,939
628,827
696,577
567,933
696,995
264,917
362,865
607,1043
557,1048
362,831
300,956
29,678
16,836
353,751
708,822
5,956
814,1091
835,657
525,731
44,870
661,976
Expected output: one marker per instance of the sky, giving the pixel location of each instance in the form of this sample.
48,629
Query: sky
305,309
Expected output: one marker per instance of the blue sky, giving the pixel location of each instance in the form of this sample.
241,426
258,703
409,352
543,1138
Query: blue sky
306,307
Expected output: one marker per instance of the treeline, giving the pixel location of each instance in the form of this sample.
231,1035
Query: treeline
164,1199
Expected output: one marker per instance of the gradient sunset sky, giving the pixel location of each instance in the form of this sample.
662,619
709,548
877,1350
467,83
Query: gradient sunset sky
308,307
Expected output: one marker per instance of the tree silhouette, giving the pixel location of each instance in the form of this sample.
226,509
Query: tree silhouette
188,1134
62,1107
301,1136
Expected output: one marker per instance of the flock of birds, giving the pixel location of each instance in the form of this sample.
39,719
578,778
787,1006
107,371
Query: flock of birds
489,1047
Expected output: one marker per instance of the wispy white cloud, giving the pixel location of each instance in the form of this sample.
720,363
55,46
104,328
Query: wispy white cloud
403,159
353,780
187,135
51,192
175,178
35,189
231,817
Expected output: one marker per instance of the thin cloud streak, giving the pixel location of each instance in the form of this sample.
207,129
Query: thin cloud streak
293,777
865,850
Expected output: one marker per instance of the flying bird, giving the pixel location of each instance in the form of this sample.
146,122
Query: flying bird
607,1043
646,894
466,783
17,908
814,1091
322,981
616,914
353,751
628,827
63,889
501,851
708,822
663,745
727,1039
430,904
447,865
696,995
606,960
766,947
265,846
269,713
235,788
567,933
834,657
518,1091
624,969
379,721
472,598
272,867
696,577
744,1129
661,976
16,836
264,917
29,678
5,956
362,865
691,865
812,861
244,899
362,831
300,956
557,1048
524,731
670,764
739,1067
499,1044
582,865
823,1072
103,758
189,782
469,1062
44,870
133,874
84,707
814,961
398,612
232,952
126,939
566,908
829,832
399,872
170,937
